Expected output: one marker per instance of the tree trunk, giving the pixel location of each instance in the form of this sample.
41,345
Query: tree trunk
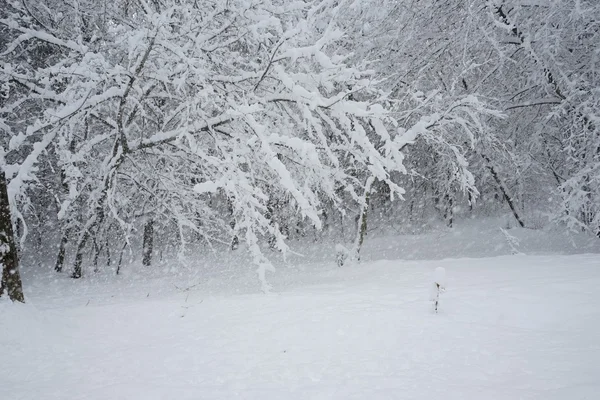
235,241
9,261
148,243
62,250
77,269
504,191
107,245
448,213
362,227
121,258
96,255
470,201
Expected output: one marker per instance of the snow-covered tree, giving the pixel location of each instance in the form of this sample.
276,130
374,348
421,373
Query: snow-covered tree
162,109
218,121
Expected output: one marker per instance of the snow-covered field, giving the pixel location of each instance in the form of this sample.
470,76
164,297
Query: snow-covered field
509,327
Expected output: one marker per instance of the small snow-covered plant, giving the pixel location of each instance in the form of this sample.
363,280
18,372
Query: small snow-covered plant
341,254
512,241
438,286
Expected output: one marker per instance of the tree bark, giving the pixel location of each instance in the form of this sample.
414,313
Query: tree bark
77,269
9,260
148,243
107,245
121,257
504,191
62,250
362,227
96,255
448,211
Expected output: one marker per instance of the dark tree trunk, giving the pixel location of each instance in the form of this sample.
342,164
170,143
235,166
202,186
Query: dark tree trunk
107,245
448,213
121,257
62,250
235,241
470,201
9,260
362,227
77,268
148,243
504,191
363,223
96,255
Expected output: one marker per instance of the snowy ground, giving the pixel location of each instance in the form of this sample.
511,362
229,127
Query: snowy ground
509,327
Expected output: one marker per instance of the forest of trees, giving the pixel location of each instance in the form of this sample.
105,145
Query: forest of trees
250,122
